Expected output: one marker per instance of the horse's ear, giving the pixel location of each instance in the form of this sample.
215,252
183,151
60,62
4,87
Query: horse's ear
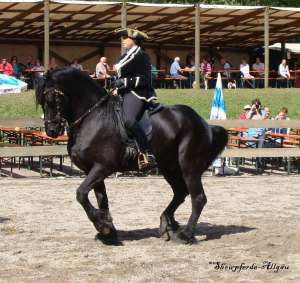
39,83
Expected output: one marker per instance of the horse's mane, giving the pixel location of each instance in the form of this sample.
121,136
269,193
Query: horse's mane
73,83
70,80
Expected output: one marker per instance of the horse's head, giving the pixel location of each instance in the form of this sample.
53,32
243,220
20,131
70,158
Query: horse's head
52,100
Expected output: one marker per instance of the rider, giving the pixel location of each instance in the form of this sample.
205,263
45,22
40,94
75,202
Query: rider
134,84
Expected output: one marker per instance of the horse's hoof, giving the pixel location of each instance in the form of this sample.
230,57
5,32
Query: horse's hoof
175,226
109,237
163,225
183,237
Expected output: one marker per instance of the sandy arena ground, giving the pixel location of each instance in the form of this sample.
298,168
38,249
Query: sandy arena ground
46,236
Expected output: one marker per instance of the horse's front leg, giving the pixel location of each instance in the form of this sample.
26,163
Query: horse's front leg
93,179
105,220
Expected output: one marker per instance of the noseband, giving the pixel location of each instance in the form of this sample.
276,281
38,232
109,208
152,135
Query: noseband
58,118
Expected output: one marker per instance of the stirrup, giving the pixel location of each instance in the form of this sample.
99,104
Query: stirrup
146,162
143,162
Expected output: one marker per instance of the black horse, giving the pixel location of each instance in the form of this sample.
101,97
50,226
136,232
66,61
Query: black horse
183,143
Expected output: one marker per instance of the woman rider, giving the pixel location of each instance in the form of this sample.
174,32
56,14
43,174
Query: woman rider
134,84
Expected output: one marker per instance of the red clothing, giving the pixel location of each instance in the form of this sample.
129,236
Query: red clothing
243,116
206,68
7,69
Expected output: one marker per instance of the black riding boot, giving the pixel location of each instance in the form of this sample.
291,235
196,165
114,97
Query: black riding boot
149,159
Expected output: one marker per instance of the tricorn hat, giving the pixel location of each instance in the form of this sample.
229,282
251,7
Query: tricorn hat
132,33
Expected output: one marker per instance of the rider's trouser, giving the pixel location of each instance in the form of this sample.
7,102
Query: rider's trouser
134,108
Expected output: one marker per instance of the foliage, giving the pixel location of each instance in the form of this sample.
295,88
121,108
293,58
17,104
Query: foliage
23,106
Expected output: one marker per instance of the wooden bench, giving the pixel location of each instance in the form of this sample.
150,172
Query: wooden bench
263,153
42,152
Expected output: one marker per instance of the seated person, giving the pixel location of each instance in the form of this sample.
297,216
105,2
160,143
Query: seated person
17,70
282,115
38,68
259,68
244,114
256,113
245,70
102,69
76,65
6,68
206,71
52,64
284,72
176,71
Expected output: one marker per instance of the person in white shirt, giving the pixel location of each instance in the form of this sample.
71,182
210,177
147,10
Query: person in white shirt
283,70
284,74
245,70
102,69
245,73
259,67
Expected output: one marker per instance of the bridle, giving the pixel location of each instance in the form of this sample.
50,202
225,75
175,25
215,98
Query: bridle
58,117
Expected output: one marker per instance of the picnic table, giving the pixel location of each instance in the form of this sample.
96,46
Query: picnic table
285,140
242,142
23,137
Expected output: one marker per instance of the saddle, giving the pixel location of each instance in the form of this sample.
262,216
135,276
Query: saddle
131,148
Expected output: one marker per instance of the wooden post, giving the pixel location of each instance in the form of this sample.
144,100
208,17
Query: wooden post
283,55
266,37
197,46
46,34
123,21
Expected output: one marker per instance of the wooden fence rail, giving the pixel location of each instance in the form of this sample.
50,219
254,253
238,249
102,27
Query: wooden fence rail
37,122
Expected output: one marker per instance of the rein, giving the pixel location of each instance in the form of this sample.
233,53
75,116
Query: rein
84,115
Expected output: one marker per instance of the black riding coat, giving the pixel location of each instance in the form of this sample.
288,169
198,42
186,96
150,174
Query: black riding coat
135,68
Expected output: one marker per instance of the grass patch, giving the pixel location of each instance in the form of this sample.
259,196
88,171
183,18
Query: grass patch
23,105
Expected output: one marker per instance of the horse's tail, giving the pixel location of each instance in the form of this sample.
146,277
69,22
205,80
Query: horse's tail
219,141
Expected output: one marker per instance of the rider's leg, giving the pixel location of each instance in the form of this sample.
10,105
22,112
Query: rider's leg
133,110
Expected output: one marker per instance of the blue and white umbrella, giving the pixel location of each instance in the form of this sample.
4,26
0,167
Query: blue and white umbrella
218,109
10,84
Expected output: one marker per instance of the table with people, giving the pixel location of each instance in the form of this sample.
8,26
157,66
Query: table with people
175,75
263,137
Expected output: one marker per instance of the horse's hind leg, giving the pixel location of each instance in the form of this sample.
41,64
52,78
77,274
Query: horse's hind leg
167,219
105,220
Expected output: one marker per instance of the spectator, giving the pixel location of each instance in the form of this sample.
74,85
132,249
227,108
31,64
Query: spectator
243,115
259,68
76,65
6,68
38,68
267,113
30,62
284,72
282,115
17,70
52,64
102,69
225,68
259,72
154,75
176,71
206,71
245,73
256,113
